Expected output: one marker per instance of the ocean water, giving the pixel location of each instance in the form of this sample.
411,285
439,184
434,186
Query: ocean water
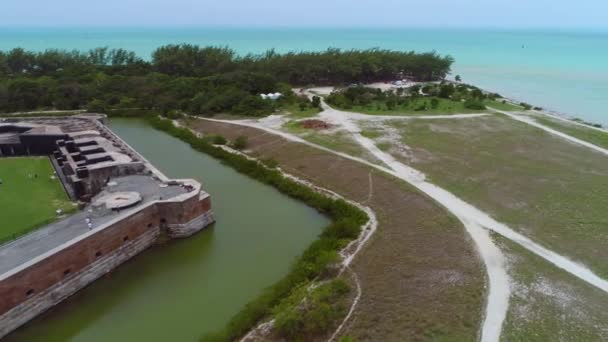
565,71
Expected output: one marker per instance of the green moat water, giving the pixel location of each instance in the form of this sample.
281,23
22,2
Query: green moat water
178,291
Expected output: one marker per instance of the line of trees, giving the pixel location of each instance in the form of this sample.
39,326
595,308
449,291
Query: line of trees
201,80
471,96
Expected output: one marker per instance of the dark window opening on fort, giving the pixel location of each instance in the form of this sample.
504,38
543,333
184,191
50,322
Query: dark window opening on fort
149,225
98,254
29,292
66,272
163,221
126,238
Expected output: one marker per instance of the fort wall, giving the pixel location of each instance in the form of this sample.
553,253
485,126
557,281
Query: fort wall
46,281
37,285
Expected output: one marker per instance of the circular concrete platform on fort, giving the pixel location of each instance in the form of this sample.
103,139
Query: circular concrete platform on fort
119,200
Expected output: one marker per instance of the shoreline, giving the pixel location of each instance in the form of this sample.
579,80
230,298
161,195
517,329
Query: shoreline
552,113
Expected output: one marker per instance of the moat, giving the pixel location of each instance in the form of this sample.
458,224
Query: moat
186,288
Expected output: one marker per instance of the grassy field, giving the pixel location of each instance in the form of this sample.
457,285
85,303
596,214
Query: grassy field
548,304
591,135
27,201
551,190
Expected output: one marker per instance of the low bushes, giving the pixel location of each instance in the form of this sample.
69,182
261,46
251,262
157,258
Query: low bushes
316,259
218,140
474,104
240,143
296,317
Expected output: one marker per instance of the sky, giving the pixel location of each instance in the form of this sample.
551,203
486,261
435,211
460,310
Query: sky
307,13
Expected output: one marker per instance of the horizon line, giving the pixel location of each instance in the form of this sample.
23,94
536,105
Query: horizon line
307,27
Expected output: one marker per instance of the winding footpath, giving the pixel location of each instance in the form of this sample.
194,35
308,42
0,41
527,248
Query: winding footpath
477,223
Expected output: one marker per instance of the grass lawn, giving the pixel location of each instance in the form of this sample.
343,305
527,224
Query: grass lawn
551,190
26,201
444,106
591,135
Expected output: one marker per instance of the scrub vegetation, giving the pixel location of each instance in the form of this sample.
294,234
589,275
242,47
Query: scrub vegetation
316,262
307,313
431,98
28,196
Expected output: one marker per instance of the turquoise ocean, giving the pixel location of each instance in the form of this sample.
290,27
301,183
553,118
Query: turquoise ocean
562,70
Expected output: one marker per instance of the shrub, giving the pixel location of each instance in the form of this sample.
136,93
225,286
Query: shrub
270,163
346,339
98,106
218,140
240,143
427,88
446,91
434,103
420,107
173,115
320,310
474,104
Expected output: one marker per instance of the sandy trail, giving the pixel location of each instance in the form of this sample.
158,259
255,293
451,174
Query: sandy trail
532,122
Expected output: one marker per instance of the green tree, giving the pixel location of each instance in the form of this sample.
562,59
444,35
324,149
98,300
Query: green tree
446,91
24,94
98,106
